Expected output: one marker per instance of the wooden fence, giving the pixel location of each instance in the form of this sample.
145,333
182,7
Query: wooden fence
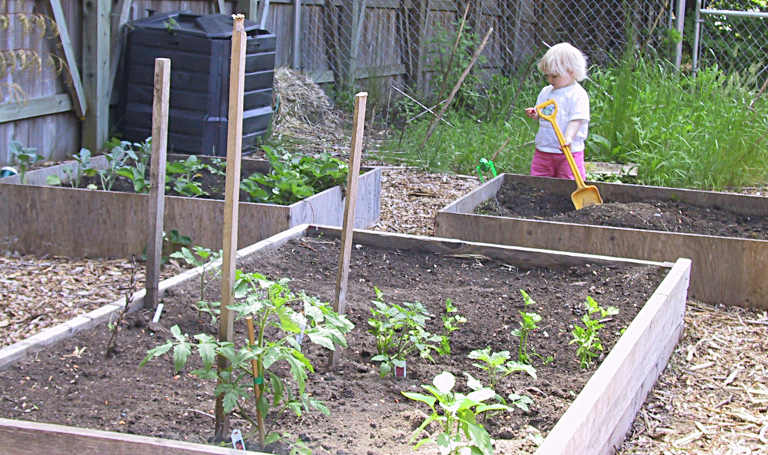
335,40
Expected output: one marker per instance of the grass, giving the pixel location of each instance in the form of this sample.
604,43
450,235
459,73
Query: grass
682,131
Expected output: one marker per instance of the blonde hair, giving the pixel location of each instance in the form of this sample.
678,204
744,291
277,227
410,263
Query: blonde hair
562,59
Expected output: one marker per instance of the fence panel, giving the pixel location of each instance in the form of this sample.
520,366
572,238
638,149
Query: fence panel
733,34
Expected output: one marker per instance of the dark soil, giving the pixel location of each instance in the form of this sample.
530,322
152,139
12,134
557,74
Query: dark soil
522,201
75,384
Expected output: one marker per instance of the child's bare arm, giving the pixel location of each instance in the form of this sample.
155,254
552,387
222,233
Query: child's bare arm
571,130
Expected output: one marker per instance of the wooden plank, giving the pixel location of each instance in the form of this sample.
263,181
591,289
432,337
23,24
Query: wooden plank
342,275
512,255
21,437
117,35
231,200
601,414
95,59
162,92
77,91
54,104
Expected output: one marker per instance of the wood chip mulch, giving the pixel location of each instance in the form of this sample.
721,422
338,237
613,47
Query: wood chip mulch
37,293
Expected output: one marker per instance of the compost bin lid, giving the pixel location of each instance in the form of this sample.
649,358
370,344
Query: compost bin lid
217,26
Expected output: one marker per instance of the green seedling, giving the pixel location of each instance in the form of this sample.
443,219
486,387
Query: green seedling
457,415
450,323
294,177
269,303
587,337
75,176
202,260
399,331
181,176
115,159
139,154
528,322
498,366
26,158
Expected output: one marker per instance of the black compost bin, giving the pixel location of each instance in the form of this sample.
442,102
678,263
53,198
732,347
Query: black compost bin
199,47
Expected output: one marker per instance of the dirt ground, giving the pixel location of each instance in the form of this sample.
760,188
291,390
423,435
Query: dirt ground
519,200
369,414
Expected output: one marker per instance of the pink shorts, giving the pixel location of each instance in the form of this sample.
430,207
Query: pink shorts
556,165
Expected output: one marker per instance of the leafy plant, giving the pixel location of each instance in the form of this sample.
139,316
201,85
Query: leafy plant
498,366
182,174
115,159
400,330
528,322
139,153
277,323
587,337
294,177
457,415
201,259
75,176
25,156
450,323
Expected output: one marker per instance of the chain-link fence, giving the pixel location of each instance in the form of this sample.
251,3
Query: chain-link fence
410,40
733,34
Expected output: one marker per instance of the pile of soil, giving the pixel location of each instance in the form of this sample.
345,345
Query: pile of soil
75,384
515,199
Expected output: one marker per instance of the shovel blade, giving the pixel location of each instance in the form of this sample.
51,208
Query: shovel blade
585,197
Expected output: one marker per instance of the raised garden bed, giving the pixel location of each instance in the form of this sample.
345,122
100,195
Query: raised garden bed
726,269
369,413
72,222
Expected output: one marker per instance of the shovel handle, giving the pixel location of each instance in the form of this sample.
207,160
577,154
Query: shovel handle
552,118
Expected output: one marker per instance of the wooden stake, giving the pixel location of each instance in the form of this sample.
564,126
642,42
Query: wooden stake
231,200
256,368
157,179
456,88
340,302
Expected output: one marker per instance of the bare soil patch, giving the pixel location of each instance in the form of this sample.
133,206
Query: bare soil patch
75,384
522,201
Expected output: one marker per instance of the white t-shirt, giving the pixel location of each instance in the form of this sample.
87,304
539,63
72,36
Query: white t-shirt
572,104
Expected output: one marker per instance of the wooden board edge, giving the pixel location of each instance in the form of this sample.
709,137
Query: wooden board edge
587,426
24,437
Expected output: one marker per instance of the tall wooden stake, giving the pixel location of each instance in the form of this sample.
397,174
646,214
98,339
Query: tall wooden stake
340,301
231,200
157,179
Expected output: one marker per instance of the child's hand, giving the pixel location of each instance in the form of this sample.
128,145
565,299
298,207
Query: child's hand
531,113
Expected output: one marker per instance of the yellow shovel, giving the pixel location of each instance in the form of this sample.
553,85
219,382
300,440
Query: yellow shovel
585,195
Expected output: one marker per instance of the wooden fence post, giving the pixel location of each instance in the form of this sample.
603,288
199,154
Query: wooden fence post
157,179
231,200
96,73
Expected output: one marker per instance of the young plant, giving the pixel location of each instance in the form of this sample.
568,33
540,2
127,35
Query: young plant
498,366
294,177
139,153
25,156
587,337
115,326
201,259
400,330
115,159
450,323
457,416
528,322
276,325
75,176
182,175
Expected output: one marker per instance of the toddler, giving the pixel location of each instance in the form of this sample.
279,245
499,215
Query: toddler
564,66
